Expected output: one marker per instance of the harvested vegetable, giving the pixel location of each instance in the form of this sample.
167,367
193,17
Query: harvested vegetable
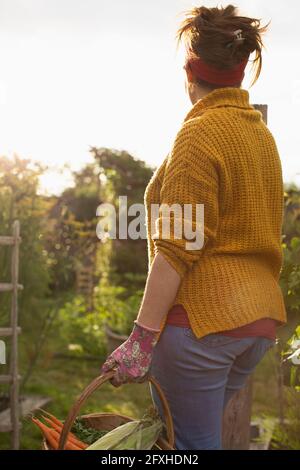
71,436
47,433
52,436
56,422
138,434
114,437
86,434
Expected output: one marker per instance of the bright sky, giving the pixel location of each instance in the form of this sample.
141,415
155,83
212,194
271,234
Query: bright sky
81,73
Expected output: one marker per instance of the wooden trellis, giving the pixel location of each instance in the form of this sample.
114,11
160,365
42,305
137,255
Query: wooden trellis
85,283
12,379
85,271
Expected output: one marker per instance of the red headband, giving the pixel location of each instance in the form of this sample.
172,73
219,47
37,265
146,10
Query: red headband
214,75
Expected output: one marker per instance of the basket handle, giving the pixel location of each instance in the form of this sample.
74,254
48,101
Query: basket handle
97,383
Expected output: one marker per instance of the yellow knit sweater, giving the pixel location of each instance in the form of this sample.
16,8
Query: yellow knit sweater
226,158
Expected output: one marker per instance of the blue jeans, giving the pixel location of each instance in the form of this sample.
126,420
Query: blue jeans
198,377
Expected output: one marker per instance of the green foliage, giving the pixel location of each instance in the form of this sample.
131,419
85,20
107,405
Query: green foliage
290,285
19,199
58,236
83,199
123,175
117,309
60,248
80,330
291,360
290,275
71,236
84,433
286,436
291,223
83,331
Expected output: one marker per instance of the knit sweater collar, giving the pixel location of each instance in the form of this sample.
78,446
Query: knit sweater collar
220,97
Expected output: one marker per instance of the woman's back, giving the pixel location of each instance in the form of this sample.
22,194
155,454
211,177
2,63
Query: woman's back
225,158
250,180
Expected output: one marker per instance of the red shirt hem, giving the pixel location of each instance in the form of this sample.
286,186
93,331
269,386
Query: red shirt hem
265,327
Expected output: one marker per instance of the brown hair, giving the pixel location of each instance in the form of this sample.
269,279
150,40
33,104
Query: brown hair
208,32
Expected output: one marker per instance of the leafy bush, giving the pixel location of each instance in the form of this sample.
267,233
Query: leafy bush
116,308
286,436
291,361
83,331
290,275
80,330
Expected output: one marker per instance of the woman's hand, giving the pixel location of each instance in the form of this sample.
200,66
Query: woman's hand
132,359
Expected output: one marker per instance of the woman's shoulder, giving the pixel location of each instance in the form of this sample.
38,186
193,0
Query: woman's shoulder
200,130
195,140
156,179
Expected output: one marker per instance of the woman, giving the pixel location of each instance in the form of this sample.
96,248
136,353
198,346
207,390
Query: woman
210,313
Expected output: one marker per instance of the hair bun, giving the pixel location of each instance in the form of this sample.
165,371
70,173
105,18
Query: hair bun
222,38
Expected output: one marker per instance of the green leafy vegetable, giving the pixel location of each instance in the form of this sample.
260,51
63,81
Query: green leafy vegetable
86,434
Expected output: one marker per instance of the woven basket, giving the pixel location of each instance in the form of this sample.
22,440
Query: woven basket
109,421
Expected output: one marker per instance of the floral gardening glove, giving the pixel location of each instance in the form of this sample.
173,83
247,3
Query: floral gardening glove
132,359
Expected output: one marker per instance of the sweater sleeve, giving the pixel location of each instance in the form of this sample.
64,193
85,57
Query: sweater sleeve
188,202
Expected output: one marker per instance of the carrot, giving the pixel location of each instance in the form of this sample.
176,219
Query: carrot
53,436
72,439
56,421
47,433
70,446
